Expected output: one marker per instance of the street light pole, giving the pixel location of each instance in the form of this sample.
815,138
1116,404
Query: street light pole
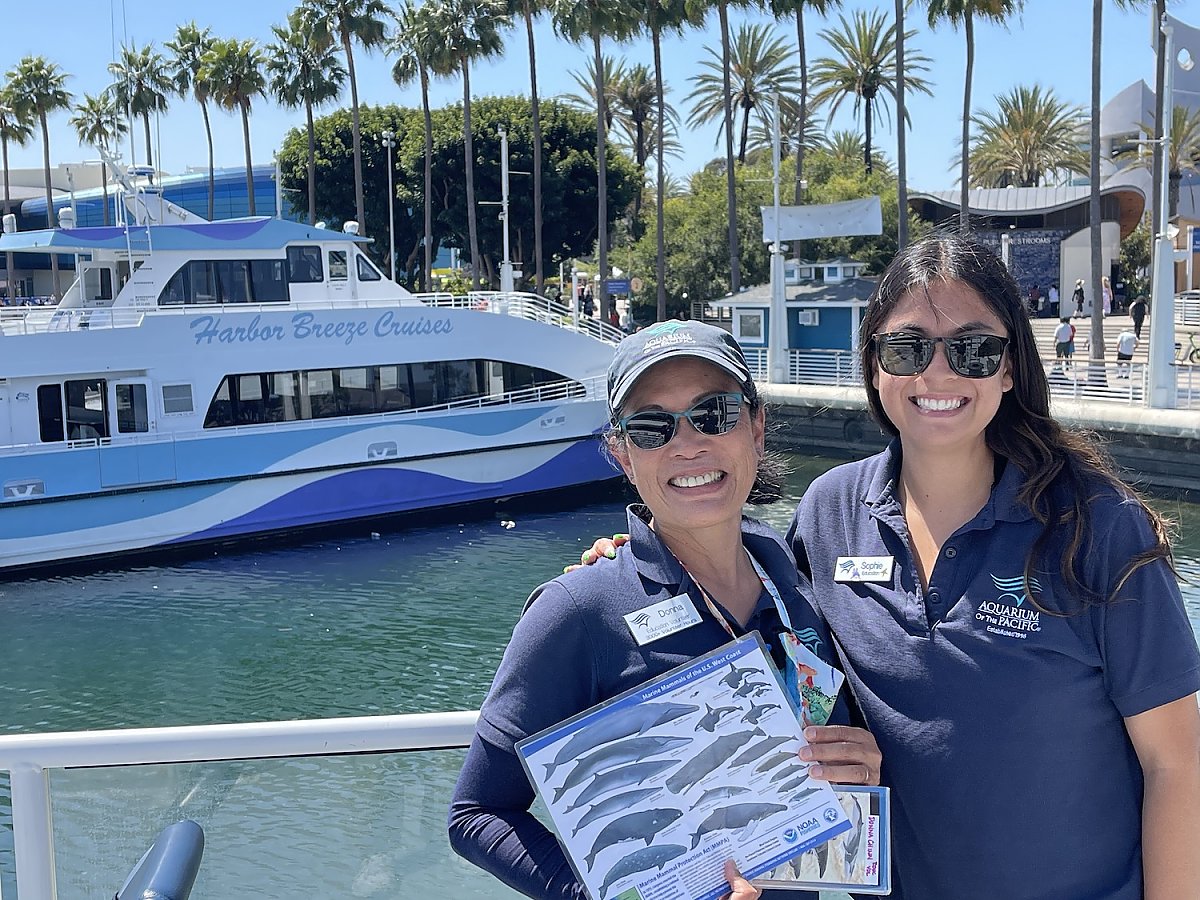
506,267
389,141
1162,385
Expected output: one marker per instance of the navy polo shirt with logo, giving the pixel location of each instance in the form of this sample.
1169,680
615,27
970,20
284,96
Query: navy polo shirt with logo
572,649
1000,724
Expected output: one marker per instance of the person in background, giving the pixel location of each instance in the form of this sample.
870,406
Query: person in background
1052,300
1064,343
688,430
1106,291
1137,312
1127,342
1078,299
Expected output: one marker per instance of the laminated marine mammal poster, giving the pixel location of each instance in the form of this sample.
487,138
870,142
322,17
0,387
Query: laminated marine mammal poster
653,790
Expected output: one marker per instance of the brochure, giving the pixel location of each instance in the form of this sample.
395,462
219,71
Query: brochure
858,860
653,790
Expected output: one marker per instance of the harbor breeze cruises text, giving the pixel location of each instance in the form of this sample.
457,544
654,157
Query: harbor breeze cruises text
207,330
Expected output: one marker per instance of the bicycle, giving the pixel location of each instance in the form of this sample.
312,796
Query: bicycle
1192,353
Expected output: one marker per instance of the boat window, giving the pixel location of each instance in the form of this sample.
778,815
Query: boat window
132,413
338,268
266,279
368,390
50,413
87,413
304,265
177,398
205,282
366,271
233,280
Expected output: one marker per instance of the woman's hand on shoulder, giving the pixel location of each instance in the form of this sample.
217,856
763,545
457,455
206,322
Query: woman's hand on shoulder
603,547
843,754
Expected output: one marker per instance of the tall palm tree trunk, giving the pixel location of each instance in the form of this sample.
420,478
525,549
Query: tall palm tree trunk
428,282
104,189
469,155
868,103
1097,330
49,201
8,257
212,187
249,171
901,135
312,161
735,272
601,177
355,135
964,213
744,136
149,155
800,44
537,150
660,189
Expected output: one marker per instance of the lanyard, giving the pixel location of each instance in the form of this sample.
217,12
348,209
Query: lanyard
767,582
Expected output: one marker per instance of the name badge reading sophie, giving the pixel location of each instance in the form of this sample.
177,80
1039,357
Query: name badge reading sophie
661,619
863,568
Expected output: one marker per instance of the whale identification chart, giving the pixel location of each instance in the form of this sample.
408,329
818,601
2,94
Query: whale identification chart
653,790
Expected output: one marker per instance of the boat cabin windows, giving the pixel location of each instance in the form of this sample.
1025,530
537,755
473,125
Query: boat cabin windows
367,390
73,411
366,271
177,398
304,265
206,282
133,413
339,270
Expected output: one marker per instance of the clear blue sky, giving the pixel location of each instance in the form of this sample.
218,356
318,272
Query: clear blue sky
1049,44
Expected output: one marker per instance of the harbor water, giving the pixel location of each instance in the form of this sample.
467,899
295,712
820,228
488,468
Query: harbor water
412,620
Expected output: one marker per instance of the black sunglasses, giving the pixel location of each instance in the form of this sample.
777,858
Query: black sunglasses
654,428
971,355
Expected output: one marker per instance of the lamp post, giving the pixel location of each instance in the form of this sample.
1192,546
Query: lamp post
506,266
389,141
777,334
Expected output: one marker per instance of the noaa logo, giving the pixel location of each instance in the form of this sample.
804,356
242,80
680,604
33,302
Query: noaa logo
830,815
791,835
642,621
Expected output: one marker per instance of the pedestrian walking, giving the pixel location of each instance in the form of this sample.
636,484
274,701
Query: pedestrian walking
1137,311
1126,343
1077,298
1064,343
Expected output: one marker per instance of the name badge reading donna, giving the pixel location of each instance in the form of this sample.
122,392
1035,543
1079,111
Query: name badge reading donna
863,568
661,619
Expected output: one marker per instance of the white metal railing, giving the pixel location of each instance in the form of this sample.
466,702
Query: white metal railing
28,758
1187,308
554,392
528,306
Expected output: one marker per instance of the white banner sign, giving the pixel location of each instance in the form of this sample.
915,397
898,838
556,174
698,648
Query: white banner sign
851,217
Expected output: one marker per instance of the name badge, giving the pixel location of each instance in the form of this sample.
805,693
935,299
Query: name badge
661,619
863,568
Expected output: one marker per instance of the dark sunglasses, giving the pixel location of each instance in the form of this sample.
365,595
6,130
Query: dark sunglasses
654,428
971,355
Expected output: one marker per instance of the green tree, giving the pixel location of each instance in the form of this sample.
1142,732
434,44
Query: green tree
801,128
304,71
760,68
1031,135
470,31
577,21
141,85
234,69
414,45
1183,152
187,49
15,128
594,88
97,122
528,9
37,87
865,69
1135,261
636,116
964,13
348,22
845,146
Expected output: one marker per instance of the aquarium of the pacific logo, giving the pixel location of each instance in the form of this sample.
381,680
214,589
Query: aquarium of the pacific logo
1008,615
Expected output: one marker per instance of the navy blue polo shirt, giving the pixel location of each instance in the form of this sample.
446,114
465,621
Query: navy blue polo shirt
572,649
1000,724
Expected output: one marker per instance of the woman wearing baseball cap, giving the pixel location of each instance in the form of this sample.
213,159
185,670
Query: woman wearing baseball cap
687,429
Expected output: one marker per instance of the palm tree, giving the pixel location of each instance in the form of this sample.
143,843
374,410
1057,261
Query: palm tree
636,115
414,45
579,20
470,30
593,88
304,72
38,88
759,69
527,9
866,70
1031,135
781,8
141,86
762,133
187,54
1183,151
348,21
845,146
661,16
97,121
15,128
965,12
233,69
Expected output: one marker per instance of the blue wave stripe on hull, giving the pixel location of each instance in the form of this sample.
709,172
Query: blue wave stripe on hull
378,491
